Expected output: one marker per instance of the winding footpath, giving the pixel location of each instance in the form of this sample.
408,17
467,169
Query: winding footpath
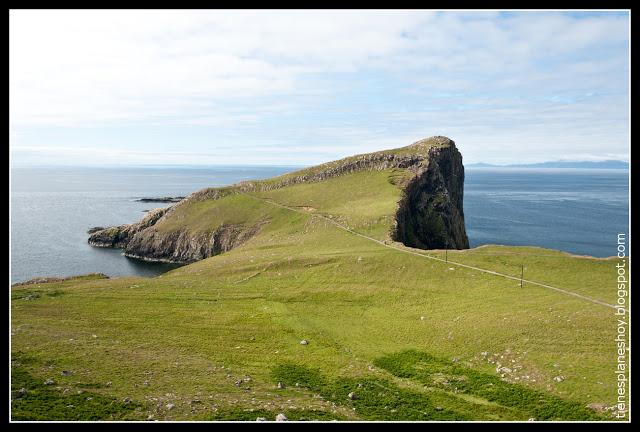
408,251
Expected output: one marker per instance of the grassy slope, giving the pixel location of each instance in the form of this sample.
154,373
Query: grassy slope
188,336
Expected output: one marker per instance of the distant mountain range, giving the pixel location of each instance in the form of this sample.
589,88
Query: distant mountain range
607,164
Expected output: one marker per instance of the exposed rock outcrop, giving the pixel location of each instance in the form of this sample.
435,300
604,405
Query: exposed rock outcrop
142,240
183,247
118,237
430,214
412,157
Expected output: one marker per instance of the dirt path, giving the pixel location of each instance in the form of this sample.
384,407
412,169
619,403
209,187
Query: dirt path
408,251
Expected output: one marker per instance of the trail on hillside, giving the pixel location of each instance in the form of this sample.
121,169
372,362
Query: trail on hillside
408,251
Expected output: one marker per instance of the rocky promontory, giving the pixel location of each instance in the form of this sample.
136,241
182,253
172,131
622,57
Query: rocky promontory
429,215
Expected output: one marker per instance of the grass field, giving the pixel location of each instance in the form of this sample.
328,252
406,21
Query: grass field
409,338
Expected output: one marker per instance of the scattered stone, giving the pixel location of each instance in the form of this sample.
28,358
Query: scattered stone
280,385
150,417
532,419
360,385
126,401
108,384
304,342
22,392
559,378
49,381
353,396
600,407
439,408
94,336
146,383
422,318
170,406
238,383
281,417
66,372
261,419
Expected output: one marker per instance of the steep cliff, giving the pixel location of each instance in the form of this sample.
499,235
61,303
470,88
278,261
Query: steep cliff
429,215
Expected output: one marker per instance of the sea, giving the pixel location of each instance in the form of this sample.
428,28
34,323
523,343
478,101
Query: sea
580,211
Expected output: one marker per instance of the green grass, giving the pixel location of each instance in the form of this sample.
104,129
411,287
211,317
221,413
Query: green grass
444,374
192,336
47,402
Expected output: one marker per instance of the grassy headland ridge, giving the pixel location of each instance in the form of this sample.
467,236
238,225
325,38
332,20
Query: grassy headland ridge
322,294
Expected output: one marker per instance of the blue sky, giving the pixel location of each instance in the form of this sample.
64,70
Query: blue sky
304,87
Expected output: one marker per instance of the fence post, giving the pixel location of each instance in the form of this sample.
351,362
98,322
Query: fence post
446,251
521,274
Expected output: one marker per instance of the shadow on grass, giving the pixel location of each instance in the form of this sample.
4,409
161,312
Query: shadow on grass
372,398
433,389
445,375
32,400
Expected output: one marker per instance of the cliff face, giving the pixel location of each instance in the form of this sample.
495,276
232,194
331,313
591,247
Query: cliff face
429,215
143,240
183,247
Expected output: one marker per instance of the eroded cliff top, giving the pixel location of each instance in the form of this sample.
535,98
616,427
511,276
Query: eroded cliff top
411,156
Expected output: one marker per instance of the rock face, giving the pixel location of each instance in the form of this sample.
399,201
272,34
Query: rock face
118,237
183,247
142,240
429,215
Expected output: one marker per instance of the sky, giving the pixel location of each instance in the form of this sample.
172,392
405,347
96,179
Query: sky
301,87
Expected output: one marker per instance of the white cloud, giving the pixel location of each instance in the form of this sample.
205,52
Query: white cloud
74,67
526,81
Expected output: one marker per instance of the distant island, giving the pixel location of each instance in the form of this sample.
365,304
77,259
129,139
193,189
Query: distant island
606,164
161,199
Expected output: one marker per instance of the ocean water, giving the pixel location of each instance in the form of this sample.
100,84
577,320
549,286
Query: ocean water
578,211
52,209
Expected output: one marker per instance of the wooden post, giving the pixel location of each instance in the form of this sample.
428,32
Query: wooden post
446,251
521,275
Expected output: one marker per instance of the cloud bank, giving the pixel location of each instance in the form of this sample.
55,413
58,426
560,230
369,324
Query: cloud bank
302,87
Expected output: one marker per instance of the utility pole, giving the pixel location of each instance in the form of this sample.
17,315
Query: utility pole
446,251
